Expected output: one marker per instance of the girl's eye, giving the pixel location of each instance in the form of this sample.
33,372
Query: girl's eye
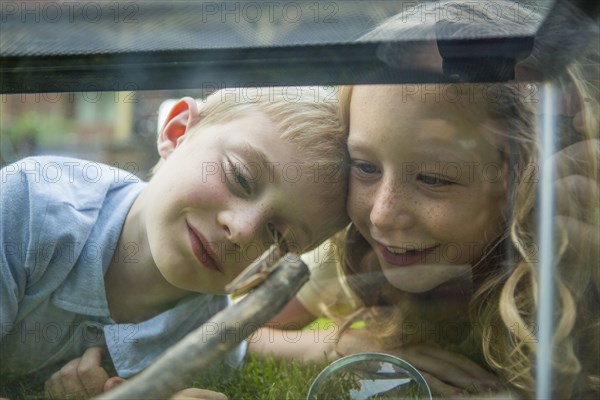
433,180
364,168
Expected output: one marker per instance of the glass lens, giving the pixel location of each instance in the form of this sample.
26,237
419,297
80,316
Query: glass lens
367,376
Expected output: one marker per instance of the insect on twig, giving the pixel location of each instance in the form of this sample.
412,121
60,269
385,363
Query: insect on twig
257,272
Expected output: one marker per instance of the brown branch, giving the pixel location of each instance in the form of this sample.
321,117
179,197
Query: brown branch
207,345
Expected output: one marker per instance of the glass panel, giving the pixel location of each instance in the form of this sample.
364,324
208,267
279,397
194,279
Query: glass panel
474,189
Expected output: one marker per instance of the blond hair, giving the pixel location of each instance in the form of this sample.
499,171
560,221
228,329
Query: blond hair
502,310
306,116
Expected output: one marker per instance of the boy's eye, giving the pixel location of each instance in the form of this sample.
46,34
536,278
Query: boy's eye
364,168
433,180
278,237
239,179
243,182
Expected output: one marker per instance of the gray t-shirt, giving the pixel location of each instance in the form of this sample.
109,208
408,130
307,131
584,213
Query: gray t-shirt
59,226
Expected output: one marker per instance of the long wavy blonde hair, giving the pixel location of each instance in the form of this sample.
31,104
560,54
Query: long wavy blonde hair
501,320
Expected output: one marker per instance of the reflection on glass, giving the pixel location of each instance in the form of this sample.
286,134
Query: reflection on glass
367,376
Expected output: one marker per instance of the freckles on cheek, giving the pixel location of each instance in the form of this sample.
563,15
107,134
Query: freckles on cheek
480,224
448,221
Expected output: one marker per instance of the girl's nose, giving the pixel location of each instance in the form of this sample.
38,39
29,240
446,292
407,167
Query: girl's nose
390,208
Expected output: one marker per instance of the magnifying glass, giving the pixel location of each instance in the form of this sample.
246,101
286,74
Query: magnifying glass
369,376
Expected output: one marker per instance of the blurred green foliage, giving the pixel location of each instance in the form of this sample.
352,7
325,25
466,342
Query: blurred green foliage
38,129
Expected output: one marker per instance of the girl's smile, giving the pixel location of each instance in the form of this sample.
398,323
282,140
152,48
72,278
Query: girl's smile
402,257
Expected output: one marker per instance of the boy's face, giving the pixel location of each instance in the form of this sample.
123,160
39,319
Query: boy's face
221,197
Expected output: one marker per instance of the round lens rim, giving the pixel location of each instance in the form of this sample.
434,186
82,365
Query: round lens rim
358,357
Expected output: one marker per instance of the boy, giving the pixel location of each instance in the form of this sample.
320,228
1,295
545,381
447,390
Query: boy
93,257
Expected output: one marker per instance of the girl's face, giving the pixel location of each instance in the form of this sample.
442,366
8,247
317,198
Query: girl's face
427,185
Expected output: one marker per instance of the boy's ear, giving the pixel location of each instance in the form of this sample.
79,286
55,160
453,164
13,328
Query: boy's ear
182,117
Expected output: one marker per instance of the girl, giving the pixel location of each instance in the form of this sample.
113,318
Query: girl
441,257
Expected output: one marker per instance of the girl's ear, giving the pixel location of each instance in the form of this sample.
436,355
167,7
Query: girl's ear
182,117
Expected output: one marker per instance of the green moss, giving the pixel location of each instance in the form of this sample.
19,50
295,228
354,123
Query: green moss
266,379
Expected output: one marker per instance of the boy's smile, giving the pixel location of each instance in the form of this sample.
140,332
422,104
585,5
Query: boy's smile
202,251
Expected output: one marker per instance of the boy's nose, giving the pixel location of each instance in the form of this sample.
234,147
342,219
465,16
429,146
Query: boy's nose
390,208
245,226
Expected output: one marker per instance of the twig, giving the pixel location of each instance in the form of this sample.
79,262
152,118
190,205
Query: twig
207,345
